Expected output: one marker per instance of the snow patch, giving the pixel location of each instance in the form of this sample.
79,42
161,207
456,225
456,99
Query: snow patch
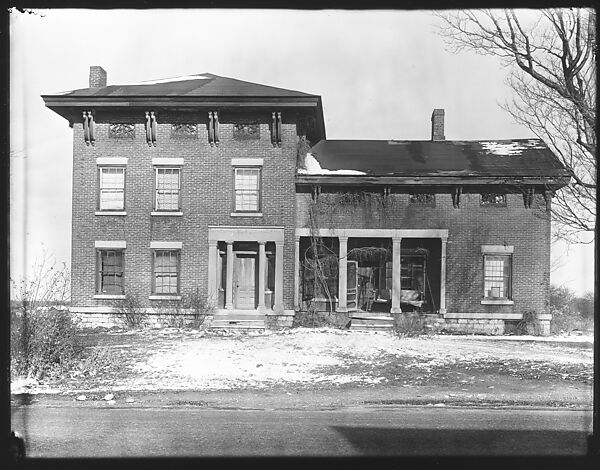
507,149
182,78
313,167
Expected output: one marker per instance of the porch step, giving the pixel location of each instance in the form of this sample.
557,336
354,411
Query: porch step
372,316
238,317
381,322
238,321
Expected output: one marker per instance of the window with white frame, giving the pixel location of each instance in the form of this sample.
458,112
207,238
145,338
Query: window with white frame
110,273
247,189
112,189
497,276
167,189
166,272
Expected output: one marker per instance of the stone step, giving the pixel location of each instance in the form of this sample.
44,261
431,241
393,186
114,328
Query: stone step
238,317
239,322
371,327
372,316
372,321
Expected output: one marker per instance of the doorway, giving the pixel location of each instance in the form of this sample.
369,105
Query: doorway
244,280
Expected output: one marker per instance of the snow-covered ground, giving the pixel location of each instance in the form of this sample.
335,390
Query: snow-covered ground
195,360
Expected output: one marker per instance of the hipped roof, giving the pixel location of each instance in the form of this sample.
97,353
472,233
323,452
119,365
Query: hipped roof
487,158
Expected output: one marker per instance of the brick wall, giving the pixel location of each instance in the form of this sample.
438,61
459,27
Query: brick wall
469,227
206,198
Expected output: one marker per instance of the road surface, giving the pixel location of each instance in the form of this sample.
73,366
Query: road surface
193,431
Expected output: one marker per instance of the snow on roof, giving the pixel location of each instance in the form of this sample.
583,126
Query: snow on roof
313,167
508,148
182,78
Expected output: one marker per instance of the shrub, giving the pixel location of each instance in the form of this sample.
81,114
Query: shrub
409,324
43,342
200,306
570,312
528,325
313,318
132,311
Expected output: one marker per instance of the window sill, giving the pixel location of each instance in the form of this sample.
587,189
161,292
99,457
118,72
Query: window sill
110,213
109,297
165,297
167,214
246,214
497,302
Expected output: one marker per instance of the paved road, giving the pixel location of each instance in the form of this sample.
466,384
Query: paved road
192,431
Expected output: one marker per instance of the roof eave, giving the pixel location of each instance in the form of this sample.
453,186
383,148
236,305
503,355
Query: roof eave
553,181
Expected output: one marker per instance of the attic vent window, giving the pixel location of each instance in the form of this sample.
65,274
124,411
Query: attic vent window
493,199
422,198
184,130
246,131
121,131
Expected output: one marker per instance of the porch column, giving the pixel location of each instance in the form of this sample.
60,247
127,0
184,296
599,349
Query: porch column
278,306
297,275
229,285
396,280
443,278
343,276
261,275
212,272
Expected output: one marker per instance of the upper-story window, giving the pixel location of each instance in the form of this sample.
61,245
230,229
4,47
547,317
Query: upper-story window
422,198
247,188
493,199
167,189
111,195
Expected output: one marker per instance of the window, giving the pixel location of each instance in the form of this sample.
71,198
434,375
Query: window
497,276
112,189
493,199
110,272
167,189
166,272
247,189
422,198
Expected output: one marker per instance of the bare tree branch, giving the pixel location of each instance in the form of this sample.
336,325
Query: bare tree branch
551,54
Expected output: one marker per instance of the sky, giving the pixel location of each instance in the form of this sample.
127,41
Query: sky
379,73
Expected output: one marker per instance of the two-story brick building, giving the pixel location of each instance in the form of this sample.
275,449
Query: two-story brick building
208,184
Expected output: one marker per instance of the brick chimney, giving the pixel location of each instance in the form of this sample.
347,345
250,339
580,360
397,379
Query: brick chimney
437,125
97,77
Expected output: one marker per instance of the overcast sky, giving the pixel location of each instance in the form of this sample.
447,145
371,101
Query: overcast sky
380,75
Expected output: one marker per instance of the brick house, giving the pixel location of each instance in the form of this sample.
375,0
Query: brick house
208,185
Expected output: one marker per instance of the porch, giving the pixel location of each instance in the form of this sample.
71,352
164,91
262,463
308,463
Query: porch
371,274
245,275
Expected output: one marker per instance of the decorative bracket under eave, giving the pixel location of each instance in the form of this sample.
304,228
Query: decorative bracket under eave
316,191
456,197
213,128
276,129
151,128
548,195
528,197
89,128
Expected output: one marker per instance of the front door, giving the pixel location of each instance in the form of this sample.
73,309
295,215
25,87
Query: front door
244,292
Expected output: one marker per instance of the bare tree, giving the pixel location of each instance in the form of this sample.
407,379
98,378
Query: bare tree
552,56
47,284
